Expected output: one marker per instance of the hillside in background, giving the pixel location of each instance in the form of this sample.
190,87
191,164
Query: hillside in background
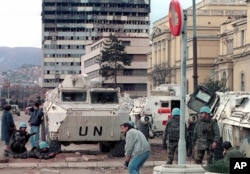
13,58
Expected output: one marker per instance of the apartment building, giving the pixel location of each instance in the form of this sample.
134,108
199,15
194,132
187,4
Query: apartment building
69,26
131,80
210,17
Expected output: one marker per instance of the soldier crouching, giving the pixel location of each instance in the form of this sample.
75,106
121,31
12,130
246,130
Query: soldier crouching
41,151
18,141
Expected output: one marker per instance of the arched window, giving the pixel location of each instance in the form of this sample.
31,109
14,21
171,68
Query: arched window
242,81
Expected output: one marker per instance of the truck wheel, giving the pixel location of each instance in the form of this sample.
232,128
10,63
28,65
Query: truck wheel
117,150
104,147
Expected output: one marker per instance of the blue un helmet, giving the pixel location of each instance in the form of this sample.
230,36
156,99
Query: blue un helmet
22,125
176,112
43,144
132,123
205,109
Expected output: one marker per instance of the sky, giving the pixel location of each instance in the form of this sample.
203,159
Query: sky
21,20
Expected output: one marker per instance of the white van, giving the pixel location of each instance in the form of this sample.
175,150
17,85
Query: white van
155,110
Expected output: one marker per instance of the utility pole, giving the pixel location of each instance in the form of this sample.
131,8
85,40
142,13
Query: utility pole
195,76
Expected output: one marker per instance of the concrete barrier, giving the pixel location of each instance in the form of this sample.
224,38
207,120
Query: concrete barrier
178,169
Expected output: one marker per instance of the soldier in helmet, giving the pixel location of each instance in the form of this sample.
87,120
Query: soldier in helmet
42,151
206,136
18,141
223,165
231,152
172,134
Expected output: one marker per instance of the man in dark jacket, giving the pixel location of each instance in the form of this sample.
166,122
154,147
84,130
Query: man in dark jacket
35,122
172,134
7,128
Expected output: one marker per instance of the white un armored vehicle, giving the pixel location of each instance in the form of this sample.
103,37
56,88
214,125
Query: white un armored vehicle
80,111
231,110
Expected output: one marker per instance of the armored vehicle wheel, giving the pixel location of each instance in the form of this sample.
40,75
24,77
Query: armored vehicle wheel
104,147
117,150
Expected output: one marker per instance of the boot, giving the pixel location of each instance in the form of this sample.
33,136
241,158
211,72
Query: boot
169,162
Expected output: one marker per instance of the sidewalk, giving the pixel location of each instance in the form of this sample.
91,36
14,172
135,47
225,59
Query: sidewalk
92,164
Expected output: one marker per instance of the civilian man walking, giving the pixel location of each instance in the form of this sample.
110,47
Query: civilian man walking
137,148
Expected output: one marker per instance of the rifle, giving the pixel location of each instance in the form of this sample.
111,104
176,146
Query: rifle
26,138
29,135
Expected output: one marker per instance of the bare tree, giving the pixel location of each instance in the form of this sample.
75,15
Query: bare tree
159,73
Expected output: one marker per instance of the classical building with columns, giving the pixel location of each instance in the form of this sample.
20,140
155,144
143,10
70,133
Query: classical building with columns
222,45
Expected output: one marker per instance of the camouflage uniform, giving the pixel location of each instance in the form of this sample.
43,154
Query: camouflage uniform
223,165
17,144
172,134
206,132
233,153
45,153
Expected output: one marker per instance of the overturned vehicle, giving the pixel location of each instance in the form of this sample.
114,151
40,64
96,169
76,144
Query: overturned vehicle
231,110
79,111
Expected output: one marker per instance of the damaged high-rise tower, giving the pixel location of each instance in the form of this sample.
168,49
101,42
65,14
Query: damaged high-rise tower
68,26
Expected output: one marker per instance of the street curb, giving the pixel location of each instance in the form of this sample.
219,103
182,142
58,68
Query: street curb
74,164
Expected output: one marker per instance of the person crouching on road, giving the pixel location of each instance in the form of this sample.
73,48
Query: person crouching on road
137,148
223,165
42,151
18,141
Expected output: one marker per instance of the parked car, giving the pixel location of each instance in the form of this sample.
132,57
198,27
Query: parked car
15,110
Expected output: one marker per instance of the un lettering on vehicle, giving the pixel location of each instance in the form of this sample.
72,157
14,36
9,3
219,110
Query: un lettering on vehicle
94,131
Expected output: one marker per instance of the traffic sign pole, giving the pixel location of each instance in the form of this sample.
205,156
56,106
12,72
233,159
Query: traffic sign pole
178,25
182,141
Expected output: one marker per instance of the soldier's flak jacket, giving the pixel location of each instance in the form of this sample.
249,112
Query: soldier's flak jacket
206,132
18,141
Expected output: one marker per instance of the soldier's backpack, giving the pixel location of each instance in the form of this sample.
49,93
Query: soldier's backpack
173,129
